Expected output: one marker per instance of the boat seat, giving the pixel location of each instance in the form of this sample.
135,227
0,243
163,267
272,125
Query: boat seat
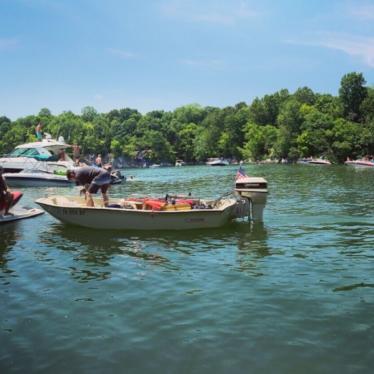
63,201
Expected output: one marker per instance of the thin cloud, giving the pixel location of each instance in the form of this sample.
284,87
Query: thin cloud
355,46
363,12
121,54
8,43
98,97
224,13
203,63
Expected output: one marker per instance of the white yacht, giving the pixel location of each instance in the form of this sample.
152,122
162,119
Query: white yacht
30,155
179,162
217,162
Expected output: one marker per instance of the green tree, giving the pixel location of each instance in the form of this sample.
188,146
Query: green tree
305,95
367,105
352,93
260,141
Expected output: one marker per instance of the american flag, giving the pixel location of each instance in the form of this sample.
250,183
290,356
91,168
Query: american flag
240,174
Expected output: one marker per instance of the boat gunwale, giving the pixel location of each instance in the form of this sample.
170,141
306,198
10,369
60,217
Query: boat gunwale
46,202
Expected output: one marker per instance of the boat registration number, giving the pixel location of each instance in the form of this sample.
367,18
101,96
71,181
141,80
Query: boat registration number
73,212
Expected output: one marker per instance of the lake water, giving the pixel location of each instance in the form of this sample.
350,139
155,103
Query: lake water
292,295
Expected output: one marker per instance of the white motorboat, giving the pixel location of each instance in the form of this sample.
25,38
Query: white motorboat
314,161
217,162
169,213
319,161
360,163
29,156
179,163
148,214
36,178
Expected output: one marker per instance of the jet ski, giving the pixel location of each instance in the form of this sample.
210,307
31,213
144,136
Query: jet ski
17,213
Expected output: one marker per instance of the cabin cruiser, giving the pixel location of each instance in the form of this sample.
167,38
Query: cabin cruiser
27,156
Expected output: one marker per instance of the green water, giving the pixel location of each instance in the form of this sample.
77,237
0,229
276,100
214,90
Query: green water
294,295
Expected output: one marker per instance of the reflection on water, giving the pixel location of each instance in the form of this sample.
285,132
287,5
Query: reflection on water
252,247
97,248
8,238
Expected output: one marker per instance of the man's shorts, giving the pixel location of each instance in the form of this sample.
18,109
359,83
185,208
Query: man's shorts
101,182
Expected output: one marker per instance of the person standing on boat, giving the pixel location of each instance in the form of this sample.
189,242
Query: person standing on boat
38,132
76,154
98,161
61,155
93,179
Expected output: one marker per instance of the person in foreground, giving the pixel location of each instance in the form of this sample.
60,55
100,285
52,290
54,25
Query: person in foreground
6,198
93,179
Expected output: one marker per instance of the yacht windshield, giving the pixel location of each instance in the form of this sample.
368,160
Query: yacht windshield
37,153
18,152
31,152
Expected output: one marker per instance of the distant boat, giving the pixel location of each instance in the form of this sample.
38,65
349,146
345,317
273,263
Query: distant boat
179,163
360,163
319,161
217,162
314,161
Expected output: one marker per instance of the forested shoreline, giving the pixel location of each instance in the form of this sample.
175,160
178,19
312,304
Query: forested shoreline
281,125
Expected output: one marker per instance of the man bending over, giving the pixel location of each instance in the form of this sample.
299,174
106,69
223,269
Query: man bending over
96,179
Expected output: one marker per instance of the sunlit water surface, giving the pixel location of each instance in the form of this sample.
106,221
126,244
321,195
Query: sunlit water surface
294,295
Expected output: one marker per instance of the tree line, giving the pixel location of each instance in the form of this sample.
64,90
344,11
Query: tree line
278,126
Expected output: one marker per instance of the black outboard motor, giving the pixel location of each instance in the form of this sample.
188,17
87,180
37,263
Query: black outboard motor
116,177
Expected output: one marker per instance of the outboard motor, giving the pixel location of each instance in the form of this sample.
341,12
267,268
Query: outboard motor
255,189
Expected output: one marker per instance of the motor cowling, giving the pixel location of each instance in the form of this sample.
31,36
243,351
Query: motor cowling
255,189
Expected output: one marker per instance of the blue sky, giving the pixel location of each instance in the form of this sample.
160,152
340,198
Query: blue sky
161,54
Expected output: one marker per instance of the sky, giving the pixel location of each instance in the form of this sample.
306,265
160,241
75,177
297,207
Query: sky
161,54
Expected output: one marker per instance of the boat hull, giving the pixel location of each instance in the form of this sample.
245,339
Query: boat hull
218,163
360,164
314,161
20,213
18,164
35,180
132,219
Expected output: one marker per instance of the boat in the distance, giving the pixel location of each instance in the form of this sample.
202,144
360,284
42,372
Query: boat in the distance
166,213
179,162
217,162
362,163
28,155
314,161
